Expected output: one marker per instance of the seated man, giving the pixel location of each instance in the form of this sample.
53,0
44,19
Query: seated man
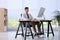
26,15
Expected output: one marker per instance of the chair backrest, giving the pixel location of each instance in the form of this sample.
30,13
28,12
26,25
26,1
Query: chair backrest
41,12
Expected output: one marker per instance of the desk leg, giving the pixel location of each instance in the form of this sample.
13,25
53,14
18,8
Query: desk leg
25,32
22,29
51,29
48,30
17,30
31,32
42,27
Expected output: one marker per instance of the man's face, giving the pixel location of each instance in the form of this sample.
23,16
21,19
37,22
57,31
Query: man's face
26,10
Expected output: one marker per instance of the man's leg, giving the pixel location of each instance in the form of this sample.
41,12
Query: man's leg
39,28
33,25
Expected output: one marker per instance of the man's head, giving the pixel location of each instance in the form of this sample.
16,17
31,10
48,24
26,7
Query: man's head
26,9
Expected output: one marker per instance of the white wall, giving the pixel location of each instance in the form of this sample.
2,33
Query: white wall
3,3
58,5
35,5
15,7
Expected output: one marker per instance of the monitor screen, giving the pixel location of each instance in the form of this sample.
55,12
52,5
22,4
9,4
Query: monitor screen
41,12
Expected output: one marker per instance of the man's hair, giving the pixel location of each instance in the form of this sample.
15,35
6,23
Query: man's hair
26,7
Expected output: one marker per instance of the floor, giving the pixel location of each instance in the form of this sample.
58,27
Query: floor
11,36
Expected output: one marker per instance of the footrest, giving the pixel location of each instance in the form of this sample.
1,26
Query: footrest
28,35
39,34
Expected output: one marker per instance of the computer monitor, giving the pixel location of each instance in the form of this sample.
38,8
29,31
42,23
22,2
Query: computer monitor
41,13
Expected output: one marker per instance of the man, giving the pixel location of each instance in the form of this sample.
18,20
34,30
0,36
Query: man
26,15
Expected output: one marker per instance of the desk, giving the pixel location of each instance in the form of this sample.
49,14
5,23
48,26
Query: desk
49,25
21,21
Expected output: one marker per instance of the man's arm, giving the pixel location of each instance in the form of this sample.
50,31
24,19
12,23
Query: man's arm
31,16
